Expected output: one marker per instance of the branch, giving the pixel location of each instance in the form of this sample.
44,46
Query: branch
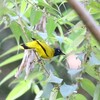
86,18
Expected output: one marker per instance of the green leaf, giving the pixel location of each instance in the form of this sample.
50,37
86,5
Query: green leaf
6,38
54,79
3,8
97,16
69,16
75,43
15,28
94,43
12,59
12,73
60,39
91,71
96,51
74,73
28,11
53,94
17,31
79,97
50,26
9,51
77,32
66,18
48,7
19,90
47,90
79,38
63,20
67,90
33,75
93,60
97,93
94,6
88,86
49,67
38,96
43,35
35,16
23,6
35,88
60,29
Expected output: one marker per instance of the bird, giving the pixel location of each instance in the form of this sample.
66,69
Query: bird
43,50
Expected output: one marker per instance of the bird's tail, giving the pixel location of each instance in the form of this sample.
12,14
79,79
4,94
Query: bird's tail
24,46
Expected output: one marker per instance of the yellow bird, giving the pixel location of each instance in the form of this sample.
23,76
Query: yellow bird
43,50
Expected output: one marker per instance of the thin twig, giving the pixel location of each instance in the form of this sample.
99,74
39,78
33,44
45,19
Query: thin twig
30,2
41,63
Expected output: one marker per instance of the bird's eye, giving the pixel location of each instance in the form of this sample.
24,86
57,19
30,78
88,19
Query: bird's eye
58,50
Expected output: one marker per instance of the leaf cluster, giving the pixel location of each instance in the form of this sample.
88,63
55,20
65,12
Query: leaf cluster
55,22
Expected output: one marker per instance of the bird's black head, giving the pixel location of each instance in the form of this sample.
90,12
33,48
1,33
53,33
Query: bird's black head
58,52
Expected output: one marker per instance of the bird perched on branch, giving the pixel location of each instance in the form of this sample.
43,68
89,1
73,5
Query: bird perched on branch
42,49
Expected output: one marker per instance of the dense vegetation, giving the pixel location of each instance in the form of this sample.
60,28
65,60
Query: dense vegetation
75,76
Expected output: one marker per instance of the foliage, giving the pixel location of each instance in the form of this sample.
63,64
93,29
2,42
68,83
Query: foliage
52,21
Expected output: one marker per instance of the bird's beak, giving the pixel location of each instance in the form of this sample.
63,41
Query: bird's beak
63,53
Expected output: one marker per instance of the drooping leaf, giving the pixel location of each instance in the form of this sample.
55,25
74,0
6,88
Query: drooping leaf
91,71
35,88
3,9
76,32
74,73
67,90
88,86
11,74
54,79
49,8
60,39
19,90
15,28
79,97
94,6
97,93
9,51
38,96
35,16
60,30
17,31
12,59
43,35
69,16
49,67
74,44
23,6
53,95
77,36
33,75
28,11
47,90
50,26
6,38
94,43
93,60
